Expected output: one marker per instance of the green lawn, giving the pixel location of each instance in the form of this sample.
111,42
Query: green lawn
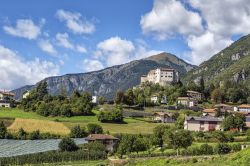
131,125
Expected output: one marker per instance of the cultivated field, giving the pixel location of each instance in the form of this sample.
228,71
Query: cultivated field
43,126
131,125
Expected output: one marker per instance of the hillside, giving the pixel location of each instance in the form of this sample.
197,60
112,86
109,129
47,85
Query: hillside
232,63
107,81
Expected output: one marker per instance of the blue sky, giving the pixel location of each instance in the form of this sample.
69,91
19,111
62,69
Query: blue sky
48,37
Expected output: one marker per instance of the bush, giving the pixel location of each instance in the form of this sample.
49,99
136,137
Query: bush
67,144
3,130
21,134
206,149
34,135
53,157
222,148
77,132
94,128
236,147
114,115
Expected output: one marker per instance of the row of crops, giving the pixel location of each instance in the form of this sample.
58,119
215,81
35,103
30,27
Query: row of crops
10,148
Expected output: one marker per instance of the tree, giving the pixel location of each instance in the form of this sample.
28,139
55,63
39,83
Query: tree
180,122
77,132
94,128
35,135
217,95
206,149
94,147
66,110
21,134
67,144
222,148
101,100
119,97
234,121
202,84
3,130
159,132
129,97
179,139
41,90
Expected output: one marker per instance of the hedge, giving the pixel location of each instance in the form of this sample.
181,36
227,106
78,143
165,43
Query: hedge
53,157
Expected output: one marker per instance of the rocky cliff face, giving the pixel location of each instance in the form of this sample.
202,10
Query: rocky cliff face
107,81
232,63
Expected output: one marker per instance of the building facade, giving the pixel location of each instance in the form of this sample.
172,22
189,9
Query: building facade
5,98
206,123
187,101
163,117
244,108
195,95
162,76
108,141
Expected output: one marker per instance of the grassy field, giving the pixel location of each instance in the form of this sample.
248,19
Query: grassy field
131,125
44,126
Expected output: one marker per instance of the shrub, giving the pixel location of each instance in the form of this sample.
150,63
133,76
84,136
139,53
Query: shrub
67,144
222,148
34,135
236,147
21,134
53,157
3,130
94,128
77,132
206,149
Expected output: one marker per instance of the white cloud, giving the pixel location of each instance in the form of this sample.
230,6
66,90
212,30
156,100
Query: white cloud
81,49
92,65
225,17
47,47
168,18
221,20
75,22
116,51
204,46
24,28
63,40
16,72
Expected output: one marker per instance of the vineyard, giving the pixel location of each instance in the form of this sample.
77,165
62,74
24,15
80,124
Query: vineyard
21,147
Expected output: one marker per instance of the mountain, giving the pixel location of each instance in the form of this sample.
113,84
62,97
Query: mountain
107,81
232,63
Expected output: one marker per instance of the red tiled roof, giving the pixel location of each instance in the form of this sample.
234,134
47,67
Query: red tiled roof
100,137
244,106
212,110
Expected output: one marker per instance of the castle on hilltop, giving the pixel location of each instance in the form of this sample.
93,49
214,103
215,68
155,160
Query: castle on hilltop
162,76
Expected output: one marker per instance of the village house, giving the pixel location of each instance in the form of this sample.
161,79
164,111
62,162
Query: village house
187,101
155,99
163,117
162,76
244,108
205,123
108,141
5,98
247,120
209,112
26,94
94,99
195,95
224,107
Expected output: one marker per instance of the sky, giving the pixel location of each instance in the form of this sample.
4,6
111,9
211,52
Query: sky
44,38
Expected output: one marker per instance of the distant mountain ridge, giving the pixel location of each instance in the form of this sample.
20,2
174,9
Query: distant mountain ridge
107,81
232,63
